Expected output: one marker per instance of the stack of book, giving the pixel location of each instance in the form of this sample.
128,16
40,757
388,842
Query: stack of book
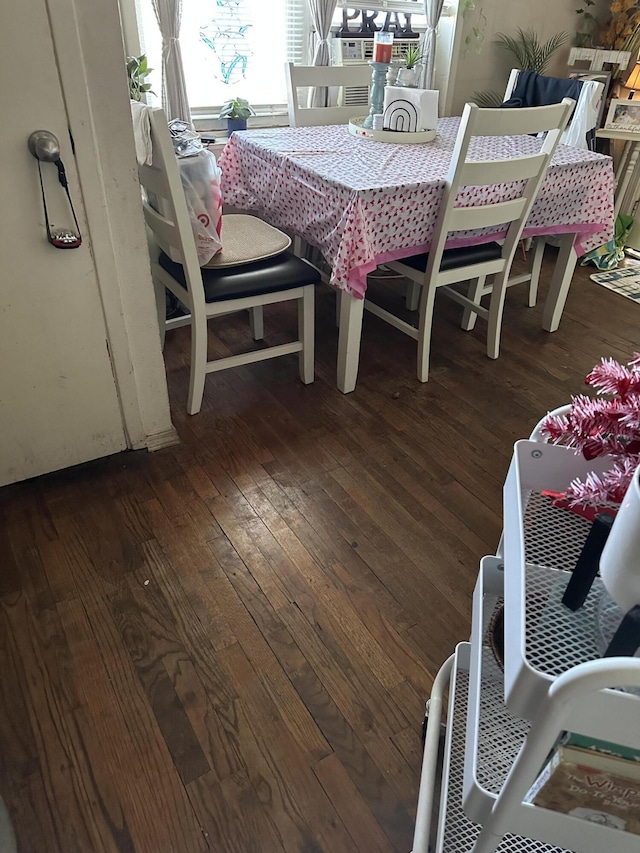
593,780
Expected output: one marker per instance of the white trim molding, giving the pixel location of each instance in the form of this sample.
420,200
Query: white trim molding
92,73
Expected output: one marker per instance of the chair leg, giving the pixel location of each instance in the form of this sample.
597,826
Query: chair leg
536,266
256,321
198,371
412,296
474,293
161,307
306,334
496,308
427,304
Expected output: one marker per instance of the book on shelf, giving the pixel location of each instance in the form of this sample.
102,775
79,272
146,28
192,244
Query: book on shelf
592,780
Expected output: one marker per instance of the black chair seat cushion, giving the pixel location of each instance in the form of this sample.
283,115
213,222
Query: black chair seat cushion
282,272
454,258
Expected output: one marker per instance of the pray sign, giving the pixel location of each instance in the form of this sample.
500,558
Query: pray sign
368,24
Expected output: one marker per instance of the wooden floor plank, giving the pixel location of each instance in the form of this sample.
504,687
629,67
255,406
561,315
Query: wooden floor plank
232,817
81,813
347,800
303,788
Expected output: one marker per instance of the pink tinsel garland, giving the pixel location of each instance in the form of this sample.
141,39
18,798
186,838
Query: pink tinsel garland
598,427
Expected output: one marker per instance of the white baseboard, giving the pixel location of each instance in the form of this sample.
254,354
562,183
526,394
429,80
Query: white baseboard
166,438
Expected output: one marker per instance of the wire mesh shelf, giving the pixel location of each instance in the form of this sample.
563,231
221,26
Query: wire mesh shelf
457,834
542,545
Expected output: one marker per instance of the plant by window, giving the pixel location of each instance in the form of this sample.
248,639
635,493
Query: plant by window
587,24
137,72
412,56
236,109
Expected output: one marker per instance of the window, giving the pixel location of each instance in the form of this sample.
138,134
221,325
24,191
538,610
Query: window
231,48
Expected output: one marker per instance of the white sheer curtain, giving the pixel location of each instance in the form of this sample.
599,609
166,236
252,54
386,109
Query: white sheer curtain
321,16
174,90
432,10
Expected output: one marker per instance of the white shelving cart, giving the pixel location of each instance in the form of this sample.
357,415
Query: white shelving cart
502,723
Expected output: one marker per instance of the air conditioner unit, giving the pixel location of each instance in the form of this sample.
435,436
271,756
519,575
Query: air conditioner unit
449,44
358,52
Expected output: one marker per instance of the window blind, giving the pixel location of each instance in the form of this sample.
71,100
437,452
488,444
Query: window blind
298,24
411,6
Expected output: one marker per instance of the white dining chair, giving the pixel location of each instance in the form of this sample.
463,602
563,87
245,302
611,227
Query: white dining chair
580,133
441,267
251,278
583,122
301,77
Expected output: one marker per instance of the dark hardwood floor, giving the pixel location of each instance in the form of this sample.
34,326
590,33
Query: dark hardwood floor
227,645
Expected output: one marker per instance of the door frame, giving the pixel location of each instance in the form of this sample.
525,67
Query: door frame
87,39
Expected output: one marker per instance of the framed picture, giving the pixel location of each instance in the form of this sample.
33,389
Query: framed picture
600,77
623,115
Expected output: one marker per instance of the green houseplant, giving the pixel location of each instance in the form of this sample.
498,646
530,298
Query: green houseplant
409,71
527,50
529,53
236,111
137,72
588,24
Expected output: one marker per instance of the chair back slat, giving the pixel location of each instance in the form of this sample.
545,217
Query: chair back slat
153,180
480,173
486,215
529,170
165,207
317,116
164,230
518,122
305,76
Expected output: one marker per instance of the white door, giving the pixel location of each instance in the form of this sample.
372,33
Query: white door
58,399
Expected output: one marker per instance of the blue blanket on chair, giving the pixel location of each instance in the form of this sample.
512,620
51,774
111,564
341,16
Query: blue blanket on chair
534,90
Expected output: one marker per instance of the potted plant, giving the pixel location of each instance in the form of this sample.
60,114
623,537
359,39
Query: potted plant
409,72
137,71
236,111
529,53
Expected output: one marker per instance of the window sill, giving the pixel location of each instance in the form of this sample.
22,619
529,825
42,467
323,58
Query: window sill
209,121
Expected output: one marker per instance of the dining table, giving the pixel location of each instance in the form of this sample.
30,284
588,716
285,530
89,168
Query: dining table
363,203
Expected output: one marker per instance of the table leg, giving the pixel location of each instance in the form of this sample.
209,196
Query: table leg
351,312
560,281
624,173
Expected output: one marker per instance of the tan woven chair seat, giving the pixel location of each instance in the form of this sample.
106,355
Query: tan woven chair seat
247,239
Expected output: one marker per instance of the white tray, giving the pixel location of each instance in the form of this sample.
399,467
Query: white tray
542,544
398,138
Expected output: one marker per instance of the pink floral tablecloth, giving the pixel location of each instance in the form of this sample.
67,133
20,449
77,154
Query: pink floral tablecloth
363,203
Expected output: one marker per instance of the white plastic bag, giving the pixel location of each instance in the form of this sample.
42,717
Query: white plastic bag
201,181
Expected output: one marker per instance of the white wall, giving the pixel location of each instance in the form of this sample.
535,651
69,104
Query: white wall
490,68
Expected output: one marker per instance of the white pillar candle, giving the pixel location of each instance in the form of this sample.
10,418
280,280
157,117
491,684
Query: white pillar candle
620,560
